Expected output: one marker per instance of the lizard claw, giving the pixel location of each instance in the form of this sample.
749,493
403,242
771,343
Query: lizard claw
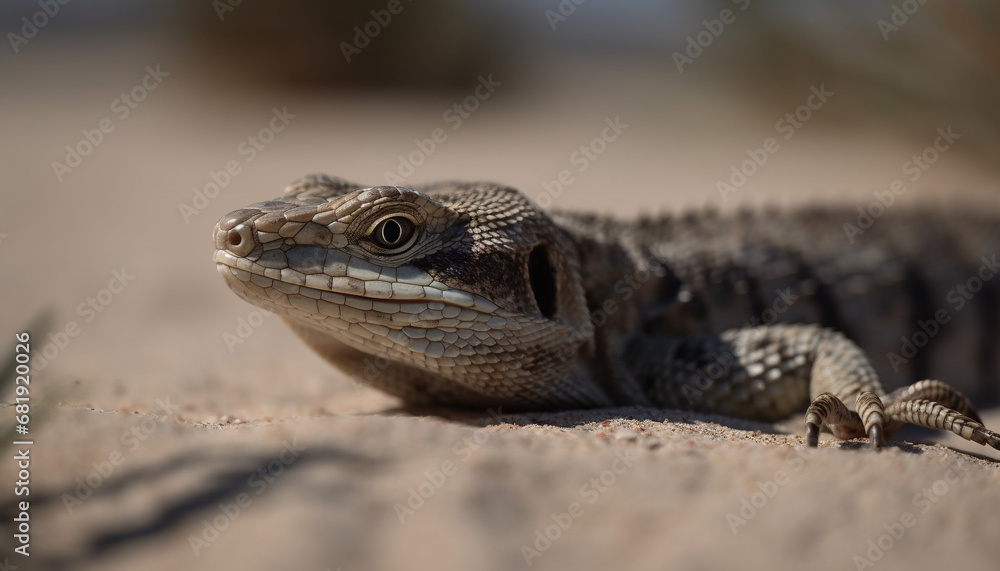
875,437
871,411
812,435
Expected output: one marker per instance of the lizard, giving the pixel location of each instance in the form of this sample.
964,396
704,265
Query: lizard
468,294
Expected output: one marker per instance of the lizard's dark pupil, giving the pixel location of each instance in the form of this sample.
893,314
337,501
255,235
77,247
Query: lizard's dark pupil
391,232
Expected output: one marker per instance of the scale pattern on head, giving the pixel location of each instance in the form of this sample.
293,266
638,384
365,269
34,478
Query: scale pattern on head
466,281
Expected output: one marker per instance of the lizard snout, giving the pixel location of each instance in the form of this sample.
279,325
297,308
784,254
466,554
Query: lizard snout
234,232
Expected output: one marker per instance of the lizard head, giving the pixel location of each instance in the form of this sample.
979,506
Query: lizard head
458,293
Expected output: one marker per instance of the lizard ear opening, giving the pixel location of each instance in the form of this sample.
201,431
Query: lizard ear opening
542,277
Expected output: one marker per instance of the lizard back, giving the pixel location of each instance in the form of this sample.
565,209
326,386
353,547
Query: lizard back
918,290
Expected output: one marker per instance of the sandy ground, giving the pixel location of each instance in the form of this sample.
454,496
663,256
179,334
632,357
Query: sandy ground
160,443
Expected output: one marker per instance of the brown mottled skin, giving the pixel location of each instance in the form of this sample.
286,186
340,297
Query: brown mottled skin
467,294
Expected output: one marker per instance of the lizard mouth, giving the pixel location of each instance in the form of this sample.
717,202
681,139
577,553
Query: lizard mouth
385,305
441,324
372,287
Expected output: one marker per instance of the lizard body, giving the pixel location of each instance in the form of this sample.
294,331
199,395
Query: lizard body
467,294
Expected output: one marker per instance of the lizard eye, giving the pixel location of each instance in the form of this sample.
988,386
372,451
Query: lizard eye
393,233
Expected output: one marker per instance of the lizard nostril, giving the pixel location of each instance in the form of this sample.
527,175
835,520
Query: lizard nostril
239,241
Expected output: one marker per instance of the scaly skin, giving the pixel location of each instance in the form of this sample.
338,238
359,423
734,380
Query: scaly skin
467,294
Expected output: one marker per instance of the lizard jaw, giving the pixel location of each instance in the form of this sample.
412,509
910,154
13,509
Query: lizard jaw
448,327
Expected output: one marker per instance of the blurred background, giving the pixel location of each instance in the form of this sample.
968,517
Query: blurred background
131,127
696,88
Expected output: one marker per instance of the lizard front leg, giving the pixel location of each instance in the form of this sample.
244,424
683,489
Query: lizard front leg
767,373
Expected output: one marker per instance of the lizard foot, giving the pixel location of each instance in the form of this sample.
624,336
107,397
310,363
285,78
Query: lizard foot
830,413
